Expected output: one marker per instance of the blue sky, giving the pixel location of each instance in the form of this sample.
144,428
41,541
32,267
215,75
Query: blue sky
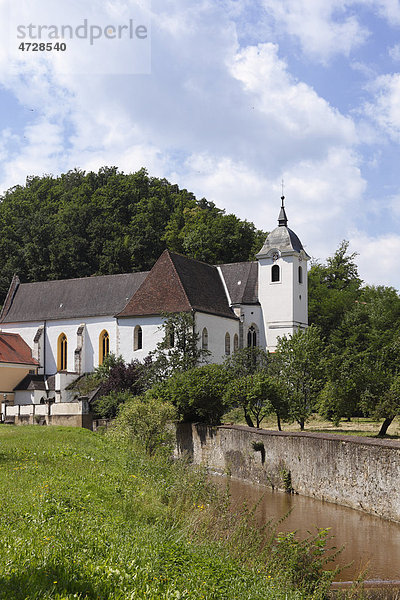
238,95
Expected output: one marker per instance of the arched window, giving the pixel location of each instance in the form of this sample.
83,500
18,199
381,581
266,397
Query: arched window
204,339
235,342
227,344
252,337
300,274
137,338
275,273
62,353
104,346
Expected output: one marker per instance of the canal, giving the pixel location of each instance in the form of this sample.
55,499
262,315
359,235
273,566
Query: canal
370,543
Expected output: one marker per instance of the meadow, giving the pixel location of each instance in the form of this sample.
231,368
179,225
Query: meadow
85,517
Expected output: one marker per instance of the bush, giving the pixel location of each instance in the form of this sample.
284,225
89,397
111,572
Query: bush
107,407
144,421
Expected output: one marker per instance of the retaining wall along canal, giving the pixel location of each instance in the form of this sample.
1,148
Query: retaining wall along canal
361,473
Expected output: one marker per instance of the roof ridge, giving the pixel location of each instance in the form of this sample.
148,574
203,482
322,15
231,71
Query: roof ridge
12,290
83,278
240,262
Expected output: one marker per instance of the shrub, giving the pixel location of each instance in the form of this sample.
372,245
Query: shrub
144,421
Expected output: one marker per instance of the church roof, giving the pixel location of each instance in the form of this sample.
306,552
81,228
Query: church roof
14,350
179,284
241,280
283,239
71,298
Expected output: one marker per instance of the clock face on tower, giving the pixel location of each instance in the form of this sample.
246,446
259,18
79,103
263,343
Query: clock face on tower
275,256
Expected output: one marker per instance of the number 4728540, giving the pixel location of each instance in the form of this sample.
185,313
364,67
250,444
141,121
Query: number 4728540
42,47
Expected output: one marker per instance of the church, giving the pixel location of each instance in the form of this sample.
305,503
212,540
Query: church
71,325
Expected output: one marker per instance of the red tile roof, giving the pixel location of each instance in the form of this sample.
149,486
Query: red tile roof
179,284
14,350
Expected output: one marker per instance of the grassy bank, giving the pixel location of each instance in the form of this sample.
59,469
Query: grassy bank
83,518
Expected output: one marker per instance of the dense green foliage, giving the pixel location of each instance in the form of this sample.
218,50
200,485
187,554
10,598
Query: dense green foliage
197,394
258,395
300,360
82,224
85,518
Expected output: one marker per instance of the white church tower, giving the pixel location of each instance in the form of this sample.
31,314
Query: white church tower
282,282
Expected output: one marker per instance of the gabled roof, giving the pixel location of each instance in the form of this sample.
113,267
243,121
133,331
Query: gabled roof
36,382
241,280
72,298
179,284
14,350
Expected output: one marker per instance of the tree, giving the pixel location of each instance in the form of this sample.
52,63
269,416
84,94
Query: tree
389,406
246,361
197,394
301,370
180,349
259,395
81,224
333,289
365,353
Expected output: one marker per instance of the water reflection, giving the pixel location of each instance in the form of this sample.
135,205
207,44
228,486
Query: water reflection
370,542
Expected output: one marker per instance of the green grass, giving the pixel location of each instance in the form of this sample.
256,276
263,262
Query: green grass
83,518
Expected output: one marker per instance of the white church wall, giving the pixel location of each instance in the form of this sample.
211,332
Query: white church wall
93,328
152,334
300,292
26,330
253,315
217,328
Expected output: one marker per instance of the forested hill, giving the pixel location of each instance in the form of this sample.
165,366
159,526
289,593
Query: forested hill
82,224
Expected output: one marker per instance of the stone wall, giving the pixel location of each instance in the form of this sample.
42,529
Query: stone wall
361,473
85,421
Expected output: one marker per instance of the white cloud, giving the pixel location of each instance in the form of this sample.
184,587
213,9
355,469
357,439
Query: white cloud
389,9
394,52
223,121
323,196
295,106
385,108
324,29
378,258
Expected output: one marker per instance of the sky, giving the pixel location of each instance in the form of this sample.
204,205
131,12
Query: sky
226,98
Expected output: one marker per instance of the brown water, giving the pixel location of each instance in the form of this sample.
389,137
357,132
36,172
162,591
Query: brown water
369,542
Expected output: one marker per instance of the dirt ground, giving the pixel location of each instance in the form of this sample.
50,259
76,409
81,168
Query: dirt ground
357,425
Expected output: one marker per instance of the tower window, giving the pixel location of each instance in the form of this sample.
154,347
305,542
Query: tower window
204,339
275,273
137,338
227,344
62,354
300,274
104,346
